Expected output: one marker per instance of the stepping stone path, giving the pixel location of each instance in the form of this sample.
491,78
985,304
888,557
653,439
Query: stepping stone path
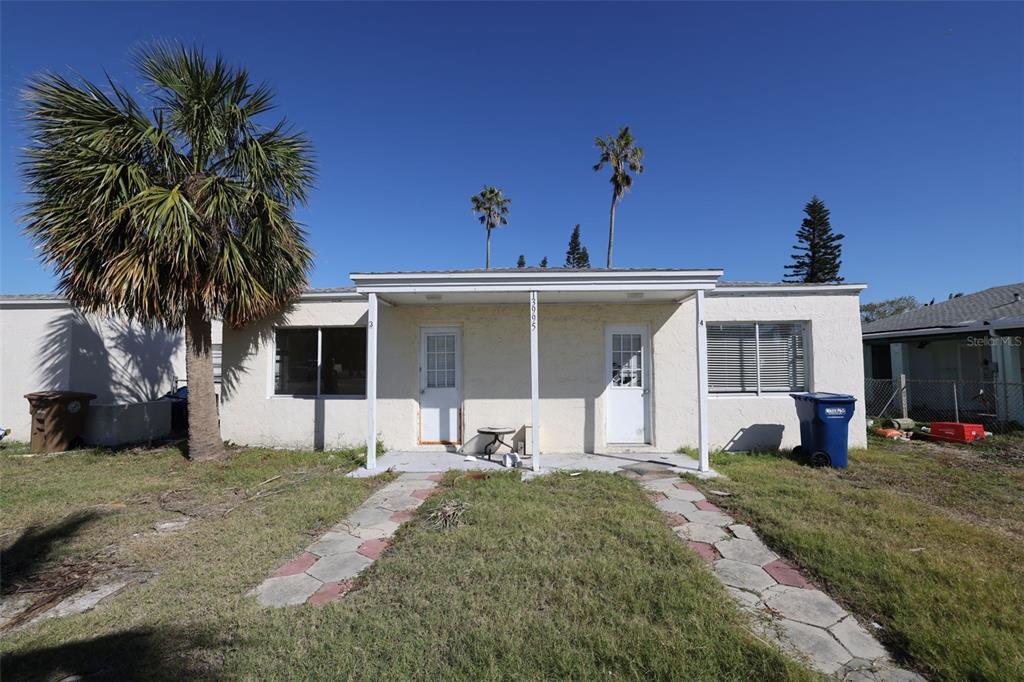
324,572
787,609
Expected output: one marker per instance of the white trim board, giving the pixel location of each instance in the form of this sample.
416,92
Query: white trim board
525,282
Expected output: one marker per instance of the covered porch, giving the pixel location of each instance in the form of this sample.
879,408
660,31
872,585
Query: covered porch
539,344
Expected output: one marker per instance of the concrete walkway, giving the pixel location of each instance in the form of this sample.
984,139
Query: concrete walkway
786,607
325,570
435,461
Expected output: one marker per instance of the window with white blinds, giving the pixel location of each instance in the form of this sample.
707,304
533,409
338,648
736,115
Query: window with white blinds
732,358
217,355
756,357
781,356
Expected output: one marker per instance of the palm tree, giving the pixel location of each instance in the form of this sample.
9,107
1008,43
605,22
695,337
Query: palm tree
492,207
173,218
623,155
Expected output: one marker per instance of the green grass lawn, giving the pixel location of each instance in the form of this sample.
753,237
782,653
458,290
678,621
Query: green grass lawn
558,578
927,541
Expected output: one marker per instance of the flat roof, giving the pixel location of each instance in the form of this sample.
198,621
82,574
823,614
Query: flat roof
508,285
532,268
56,299
616,284
745,288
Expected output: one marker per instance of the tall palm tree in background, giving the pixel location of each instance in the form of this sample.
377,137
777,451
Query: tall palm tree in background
491,206
622,154
174,217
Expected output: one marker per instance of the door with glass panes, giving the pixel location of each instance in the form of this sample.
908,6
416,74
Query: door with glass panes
440,385
627,369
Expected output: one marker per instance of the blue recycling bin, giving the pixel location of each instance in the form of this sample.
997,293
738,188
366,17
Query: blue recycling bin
824,420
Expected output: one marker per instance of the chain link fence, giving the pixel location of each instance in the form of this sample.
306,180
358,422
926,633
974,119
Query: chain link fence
999,406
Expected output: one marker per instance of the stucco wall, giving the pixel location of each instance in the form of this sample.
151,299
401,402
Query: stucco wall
53,347
837,366
495,370
251,415
496,379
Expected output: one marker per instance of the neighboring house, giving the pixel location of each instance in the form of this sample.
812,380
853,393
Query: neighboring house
972,341
596,360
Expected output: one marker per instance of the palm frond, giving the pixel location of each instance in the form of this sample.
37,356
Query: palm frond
492,206
189,209
621,153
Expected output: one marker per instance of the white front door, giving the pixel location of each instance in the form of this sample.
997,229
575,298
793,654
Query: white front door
627,369
440,385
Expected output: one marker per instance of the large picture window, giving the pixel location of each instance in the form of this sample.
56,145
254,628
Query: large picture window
756,357
326,361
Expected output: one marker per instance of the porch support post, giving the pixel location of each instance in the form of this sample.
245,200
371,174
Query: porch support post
534,385
702,384
371,383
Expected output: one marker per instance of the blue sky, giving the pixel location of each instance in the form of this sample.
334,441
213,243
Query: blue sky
905,118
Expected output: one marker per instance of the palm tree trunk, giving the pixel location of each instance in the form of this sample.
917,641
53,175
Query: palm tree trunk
611,230
204,442
487,262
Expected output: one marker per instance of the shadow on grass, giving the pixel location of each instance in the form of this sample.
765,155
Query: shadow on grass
790,454
24,556
178,443
137,654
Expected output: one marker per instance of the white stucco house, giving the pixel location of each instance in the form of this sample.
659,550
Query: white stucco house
574,361
594,361
48,345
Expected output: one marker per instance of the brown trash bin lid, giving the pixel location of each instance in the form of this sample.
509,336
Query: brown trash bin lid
54,396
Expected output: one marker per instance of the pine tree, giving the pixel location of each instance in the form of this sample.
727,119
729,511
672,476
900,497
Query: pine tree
576,255
572,254
818,251
521,263
584,261
544,262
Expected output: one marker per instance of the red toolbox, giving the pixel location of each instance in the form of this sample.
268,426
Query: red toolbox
956,432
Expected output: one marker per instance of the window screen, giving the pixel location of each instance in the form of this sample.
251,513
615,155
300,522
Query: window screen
343,364
295,364
756,357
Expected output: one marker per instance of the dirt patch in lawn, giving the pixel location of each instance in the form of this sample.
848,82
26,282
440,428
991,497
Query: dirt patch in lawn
963,482
197,504
980,456
66,587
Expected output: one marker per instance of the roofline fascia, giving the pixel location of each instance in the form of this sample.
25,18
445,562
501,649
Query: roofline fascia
554,273
34,303
658,280
943,331
789,290
62,302
332,296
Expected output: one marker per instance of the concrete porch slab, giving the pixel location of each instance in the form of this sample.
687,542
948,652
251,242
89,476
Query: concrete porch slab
434,461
